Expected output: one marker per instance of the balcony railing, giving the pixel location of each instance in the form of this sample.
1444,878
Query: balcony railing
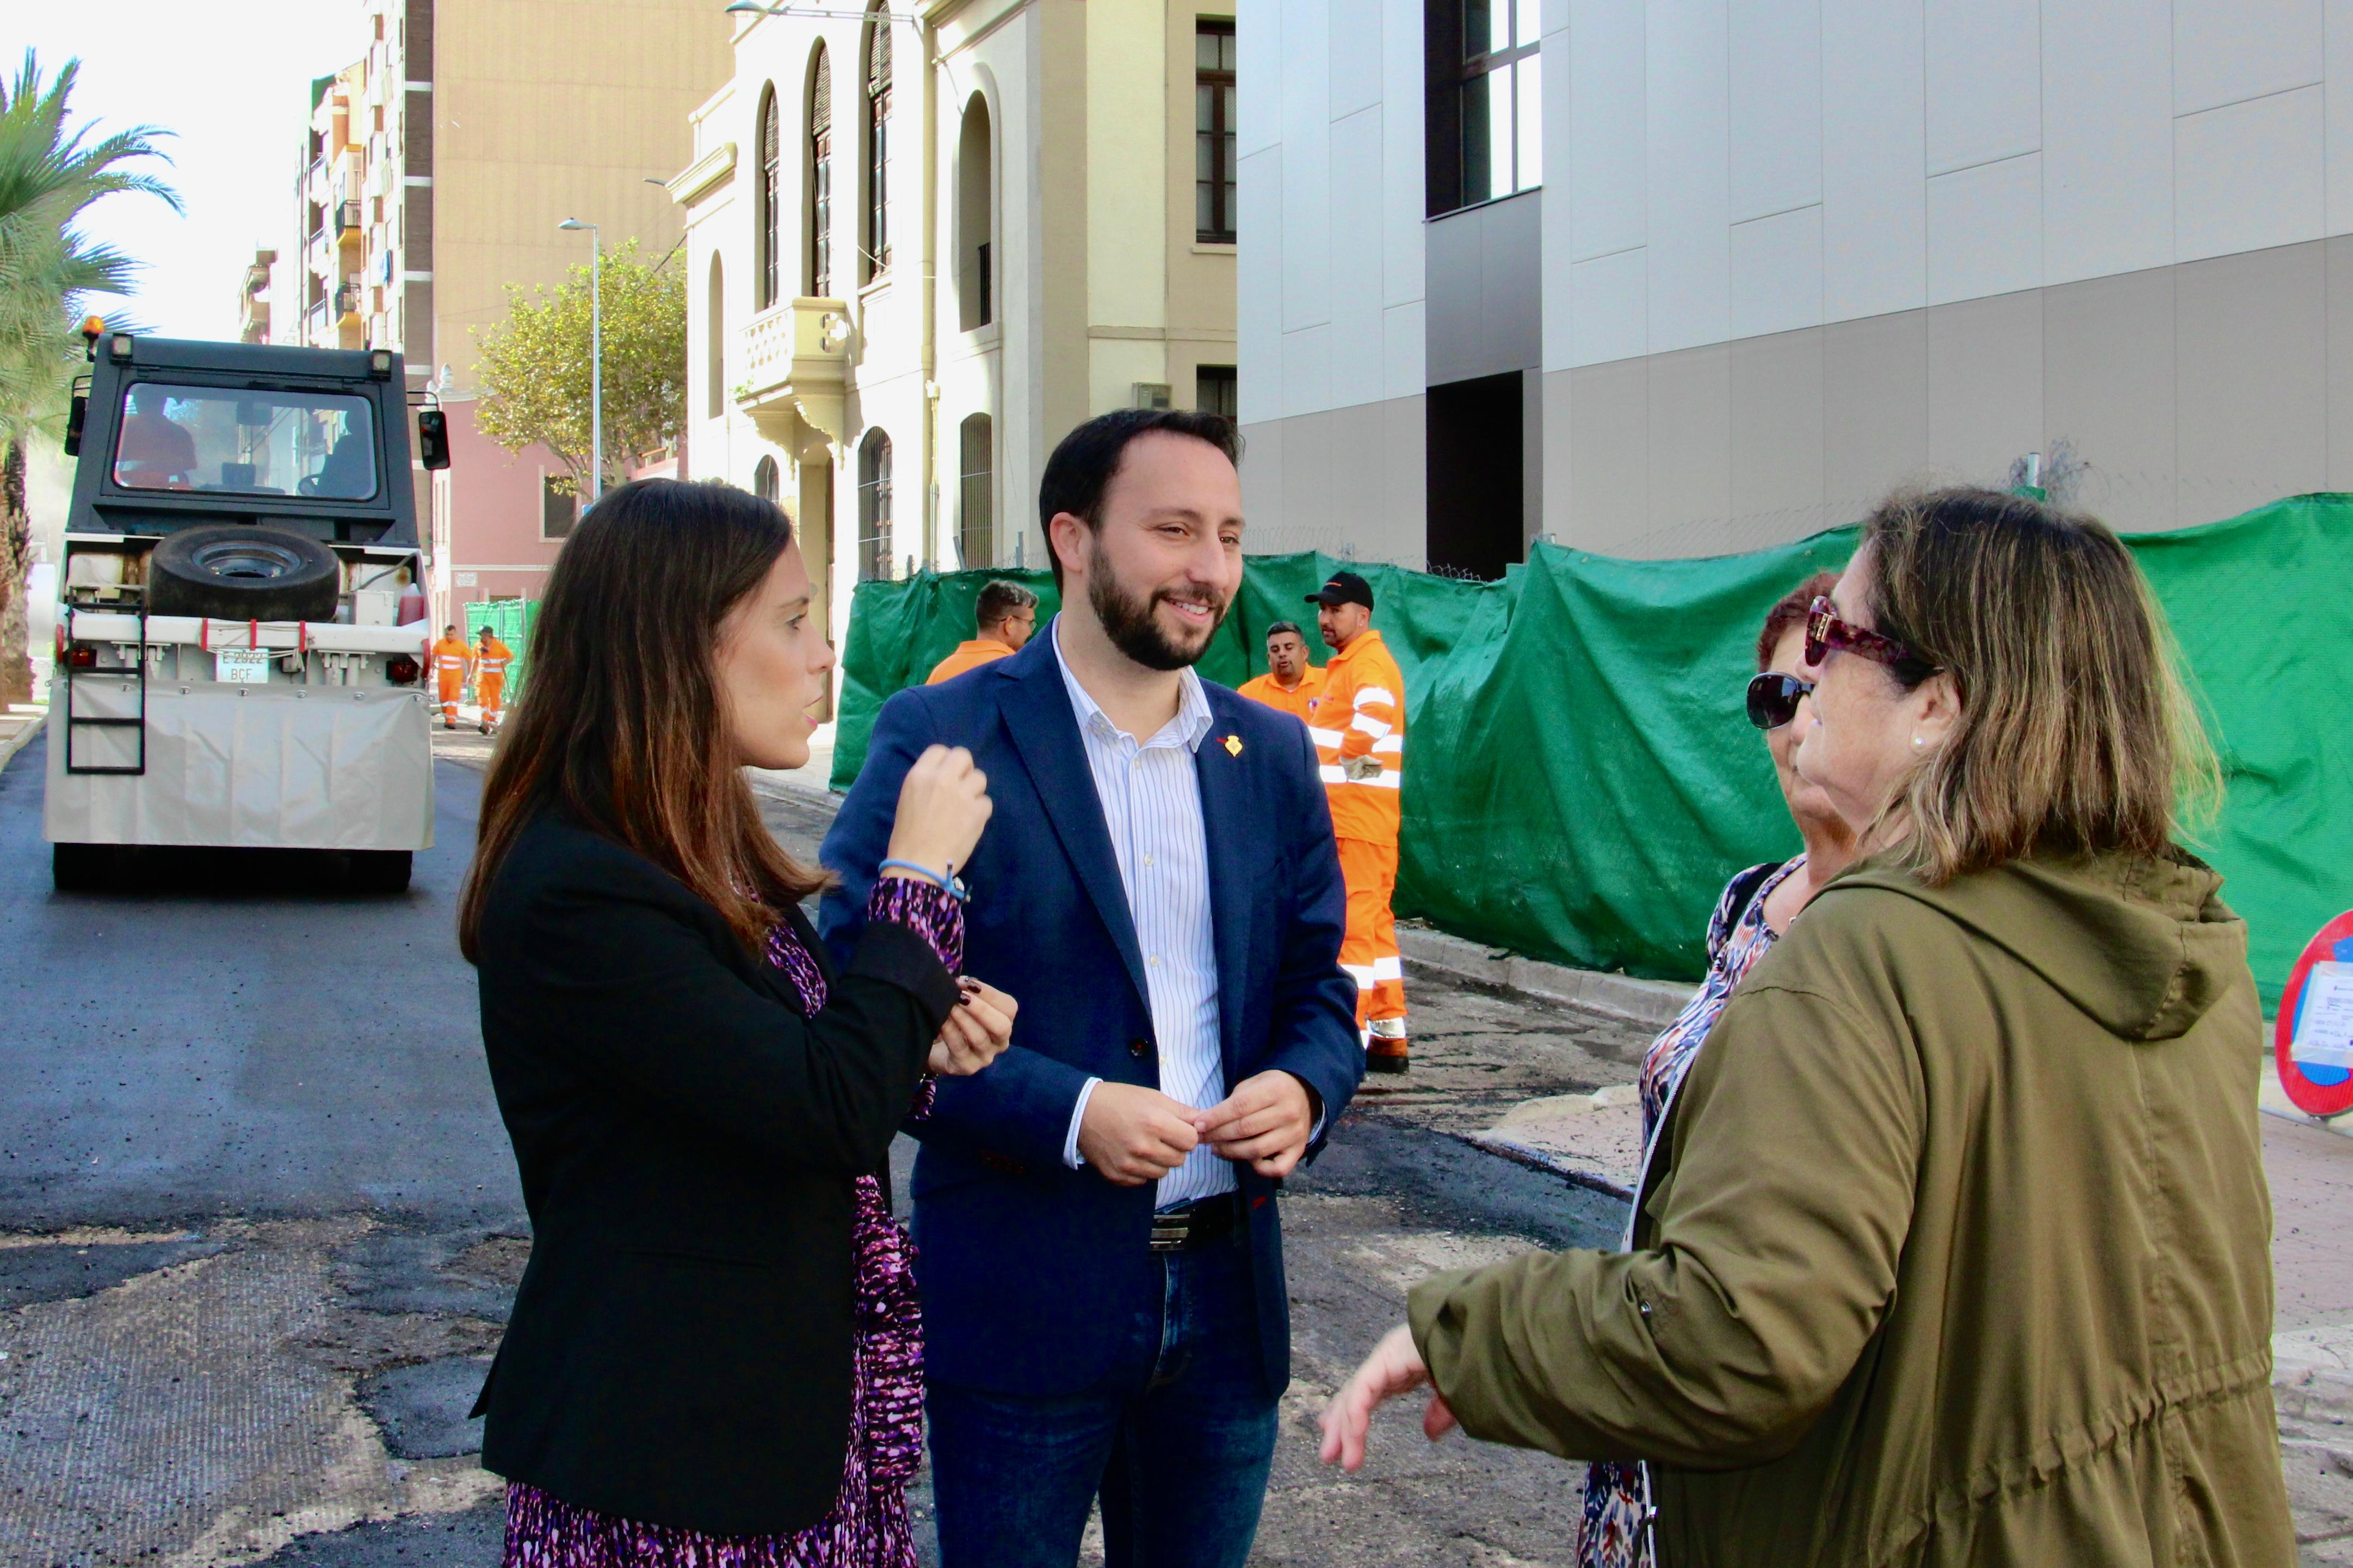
347,301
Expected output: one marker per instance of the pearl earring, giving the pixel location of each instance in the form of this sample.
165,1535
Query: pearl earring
1917,742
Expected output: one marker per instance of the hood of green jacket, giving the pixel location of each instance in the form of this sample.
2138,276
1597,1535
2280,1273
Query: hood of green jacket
2144,946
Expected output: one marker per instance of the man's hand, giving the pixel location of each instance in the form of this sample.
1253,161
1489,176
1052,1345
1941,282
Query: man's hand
1395,1367
1133,1135
1264,1123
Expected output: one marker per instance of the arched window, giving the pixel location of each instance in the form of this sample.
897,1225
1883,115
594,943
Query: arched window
820,174
877,144
975,519
874,506
764,202
715,345
976,281
767,481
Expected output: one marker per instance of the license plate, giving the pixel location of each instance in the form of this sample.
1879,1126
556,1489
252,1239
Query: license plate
241,666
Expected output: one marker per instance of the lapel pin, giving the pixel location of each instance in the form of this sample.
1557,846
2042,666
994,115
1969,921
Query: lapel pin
1233,745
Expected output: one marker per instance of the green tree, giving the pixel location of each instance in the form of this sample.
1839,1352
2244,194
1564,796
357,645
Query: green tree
534,367
49,174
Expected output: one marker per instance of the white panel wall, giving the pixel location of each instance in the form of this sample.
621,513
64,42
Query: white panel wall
1688,107
1724,169
2107,128
1874,155
1776,106
1330,144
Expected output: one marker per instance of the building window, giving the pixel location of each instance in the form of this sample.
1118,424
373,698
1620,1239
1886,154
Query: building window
878,146
559,507
820,176
771,228
1213,132
1484,115
715,345
767,480
974,284
975,515
874,506
1217,390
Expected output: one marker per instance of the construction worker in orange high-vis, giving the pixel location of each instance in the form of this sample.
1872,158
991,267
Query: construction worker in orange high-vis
452,662
1005,616
491,658
1358,727
1289,683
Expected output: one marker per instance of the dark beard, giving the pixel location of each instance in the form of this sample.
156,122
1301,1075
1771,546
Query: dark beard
1129,622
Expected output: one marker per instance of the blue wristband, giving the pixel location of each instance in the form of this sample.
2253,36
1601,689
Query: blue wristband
947,881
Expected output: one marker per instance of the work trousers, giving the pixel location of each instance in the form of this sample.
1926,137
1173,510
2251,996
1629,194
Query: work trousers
452,685
1369,950
492,689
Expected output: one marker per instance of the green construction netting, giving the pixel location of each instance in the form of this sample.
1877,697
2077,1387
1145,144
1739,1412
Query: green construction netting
510,620
1580,779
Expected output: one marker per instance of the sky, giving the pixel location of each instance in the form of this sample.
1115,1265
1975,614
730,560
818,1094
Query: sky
232,79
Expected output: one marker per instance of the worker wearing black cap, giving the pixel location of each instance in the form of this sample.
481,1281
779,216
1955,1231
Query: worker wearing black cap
1358,727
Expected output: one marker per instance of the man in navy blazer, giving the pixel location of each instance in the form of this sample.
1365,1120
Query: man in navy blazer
1101,1253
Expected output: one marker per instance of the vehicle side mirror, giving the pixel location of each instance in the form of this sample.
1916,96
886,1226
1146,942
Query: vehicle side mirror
433,438
77,412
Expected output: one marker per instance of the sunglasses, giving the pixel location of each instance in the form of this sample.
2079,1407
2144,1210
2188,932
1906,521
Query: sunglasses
1825,631
1773,698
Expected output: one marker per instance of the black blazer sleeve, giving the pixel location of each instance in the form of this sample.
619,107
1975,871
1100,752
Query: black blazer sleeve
619,967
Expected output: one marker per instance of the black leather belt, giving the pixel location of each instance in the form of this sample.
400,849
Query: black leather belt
1196,1223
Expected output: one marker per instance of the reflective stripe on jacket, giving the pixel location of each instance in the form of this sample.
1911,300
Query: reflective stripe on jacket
493,657
1361,715
450,656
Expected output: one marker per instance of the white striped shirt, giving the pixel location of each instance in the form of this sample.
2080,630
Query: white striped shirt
1151,799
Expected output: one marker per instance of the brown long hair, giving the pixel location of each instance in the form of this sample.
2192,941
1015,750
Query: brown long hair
621,723
2076,732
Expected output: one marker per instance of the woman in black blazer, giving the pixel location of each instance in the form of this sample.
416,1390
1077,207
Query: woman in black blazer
715,1355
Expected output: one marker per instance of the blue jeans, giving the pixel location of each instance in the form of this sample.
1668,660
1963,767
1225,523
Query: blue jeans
1177,1441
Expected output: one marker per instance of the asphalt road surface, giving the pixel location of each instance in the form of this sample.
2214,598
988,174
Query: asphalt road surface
259,1228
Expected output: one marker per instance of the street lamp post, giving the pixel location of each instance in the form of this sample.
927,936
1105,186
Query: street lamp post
595,356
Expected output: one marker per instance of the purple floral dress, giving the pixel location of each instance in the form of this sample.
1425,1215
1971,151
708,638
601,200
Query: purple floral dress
1611,1533
867,1525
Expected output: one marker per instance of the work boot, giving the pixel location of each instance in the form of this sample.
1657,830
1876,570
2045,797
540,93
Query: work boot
486,726
1385,1047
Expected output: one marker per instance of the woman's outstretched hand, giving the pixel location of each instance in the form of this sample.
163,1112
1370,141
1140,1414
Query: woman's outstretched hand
1395,1367
975,1033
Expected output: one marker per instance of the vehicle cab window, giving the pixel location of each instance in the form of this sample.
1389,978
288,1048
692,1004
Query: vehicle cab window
176,438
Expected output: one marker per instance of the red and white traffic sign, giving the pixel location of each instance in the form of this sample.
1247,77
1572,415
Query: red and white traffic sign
2313,1040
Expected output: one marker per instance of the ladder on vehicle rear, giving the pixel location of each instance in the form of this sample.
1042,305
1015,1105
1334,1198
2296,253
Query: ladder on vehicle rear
78,720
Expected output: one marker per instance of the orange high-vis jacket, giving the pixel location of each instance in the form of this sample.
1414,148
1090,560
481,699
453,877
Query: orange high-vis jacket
968,654
1299,701
452,658
491,658
1358,728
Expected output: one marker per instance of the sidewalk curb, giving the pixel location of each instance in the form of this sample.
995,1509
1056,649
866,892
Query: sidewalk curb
1551,1164
11,744
1651,1002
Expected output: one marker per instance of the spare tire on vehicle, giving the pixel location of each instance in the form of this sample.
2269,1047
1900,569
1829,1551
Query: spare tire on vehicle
240,572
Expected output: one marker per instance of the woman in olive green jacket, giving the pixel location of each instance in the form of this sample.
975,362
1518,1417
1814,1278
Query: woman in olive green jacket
1956,1249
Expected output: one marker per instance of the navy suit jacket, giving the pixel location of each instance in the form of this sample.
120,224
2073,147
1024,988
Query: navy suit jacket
1032,1272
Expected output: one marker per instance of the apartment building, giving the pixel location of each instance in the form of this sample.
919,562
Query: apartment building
1680,279
253,298
924,246
436,171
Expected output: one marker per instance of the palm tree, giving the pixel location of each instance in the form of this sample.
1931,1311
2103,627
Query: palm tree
48,178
